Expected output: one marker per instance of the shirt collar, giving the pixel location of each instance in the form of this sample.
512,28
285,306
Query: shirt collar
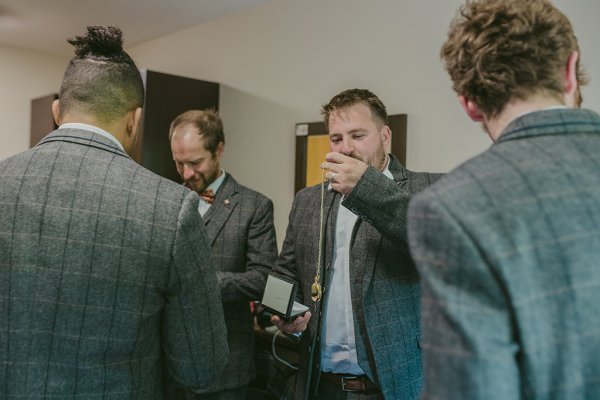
386,171
217,182
91,128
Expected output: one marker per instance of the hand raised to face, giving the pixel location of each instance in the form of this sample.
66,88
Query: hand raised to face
344,172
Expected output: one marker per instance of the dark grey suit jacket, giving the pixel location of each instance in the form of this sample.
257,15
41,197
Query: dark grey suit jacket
244,249
384,282
508,247
105,276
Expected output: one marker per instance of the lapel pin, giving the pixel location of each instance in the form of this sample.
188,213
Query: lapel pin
226,201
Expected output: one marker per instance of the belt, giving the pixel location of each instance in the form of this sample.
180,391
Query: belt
349,383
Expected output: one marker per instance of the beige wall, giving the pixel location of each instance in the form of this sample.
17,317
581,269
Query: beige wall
24,75
279,62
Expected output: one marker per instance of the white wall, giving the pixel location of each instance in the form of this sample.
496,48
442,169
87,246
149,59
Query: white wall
279,62
24,75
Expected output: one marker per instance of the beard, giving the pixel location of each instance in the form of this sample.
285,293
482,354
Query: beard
202,181
377,160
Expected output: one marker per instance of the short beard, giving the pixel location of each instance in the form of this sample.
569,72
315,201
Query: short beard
382,162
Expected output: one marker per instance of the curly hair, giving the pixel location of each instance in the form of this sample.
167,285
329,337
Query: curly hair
207,122
351,97
101,80
501,51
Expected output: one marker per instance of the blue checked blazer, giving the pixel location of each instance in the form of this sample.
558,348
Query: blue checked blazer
383,281
508,248
105,276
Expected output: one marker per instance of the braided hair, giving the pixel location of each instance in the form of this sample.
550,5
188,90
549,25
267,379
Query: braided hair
101,80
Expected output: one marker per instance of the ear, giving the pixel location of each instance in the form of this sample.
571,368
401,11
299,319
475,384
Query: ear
471,109
56,112
386,134
133,122
571,84
219,151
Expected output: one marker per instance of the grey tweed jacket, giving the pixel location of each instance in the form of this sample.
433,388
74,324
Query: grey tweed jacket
384,283
244,249
105,276
508,247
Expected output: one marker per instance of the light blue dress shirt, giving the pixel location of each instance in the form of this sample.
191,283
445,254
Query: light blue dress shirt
338,349
204,205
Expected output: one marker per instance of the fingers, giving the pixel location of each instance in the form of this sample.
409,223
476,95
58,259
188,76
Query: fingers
335,157
299,324
333,160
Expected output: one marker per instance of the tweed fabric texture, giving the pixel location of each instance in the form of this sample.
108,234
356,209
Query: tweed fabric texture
507,246
105,277
383,281
244,249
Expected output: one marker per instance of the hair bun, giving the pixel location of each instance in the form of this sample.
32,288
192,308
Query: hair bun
99,42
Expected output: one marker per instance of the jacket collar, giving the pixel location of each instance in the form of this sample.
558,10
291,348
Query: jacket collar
85,138
561,121
397,170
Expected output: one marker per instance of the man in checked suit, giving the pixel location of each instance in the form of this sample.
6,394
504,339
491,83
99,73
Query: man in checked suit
240,228
361,338
507,244
105,272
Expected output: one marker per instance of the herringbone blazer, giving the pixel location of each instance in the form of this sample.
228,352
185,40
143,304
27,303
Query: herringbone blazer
105,276
244,249
508,248
384,283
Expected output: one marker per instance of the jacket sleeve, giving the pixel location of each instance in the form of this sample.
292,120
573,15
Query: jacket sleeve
194,337
383,202
261,253
286,263
469,340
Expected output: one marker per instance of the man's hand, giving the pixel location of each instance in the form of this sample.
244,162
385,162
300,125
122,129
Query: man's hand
344,172
299,324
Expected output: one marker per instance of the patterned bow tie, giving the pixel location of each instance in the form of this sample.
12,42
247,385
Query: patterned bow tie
207,195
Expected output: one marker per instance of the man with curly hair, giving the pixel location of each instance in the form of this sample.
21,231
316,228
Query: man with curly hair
507,244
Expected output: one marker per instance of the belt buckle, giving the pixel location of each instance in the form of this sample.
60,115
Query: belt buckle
344,378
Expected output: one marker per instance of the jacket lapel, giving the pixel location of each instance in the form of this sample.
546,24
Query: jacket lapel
331,203
226,200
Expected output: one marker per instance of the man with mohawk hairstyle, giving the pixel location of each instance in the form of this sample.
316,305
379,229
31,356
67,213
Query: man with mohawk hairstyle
106,280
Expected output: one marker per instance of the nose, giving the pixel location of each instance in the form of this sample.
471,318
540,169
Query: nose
347,148
188,173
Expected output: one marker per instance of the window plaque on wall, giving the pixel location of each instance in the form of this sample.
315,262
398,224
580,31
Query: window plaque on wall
312,144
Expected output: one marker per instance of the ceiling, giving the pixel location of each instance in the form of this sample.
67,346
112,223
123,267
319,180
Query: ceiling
44,25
